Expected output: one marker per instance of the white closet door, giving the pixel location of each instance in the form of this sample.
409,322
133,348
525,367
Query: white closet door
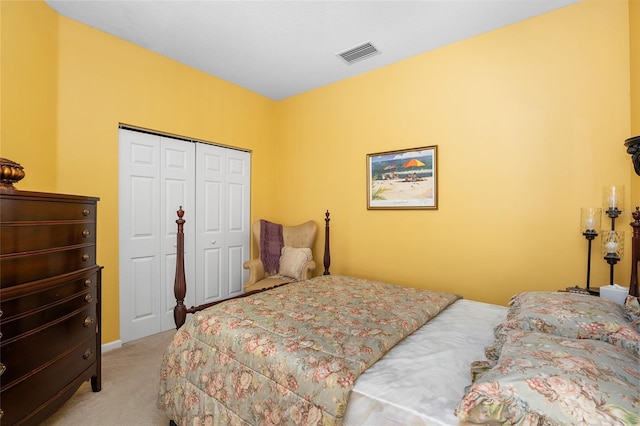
237,231
159,174
222,211
156,178
177,189
139,233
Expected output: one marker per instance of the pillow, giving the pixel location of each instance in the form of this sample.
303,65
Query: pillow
291,261
572,315
542,379
632,311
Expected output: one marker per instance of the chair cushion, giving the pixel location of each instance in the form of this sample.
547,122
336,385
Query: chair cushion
292,260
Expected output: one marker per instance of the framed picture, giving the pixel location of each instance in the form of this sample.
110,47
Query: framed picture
405,179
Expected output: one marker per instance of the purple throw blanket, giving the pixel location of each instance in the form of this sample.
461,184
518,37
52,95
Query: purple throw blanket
271,243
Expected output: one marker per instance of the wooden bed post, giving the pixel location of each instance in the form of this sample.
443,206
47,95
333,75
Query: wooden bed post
180,284
635,253
327,253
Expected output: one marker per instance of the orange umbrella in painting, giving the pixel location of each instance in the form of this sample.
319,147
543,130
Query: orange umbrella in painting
414,162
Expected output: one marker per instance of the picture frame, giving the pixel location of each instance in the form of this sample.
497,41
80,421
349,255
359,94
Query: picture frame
403,179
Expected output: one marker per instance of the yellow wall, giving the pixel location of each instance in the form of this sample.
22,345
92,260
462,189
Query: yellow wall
28,95
634,37
529,121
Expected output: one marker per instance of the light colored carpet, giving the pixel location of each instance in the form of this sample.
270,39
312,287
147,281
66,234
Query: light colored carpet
130,379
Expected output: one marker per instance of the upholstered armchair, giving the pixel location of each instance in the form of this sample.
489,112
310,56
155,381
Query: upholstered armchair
286,251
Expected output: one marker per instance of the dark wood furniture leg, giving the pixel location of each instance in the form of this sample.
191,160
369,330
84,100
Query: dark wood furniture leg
327,254
635,253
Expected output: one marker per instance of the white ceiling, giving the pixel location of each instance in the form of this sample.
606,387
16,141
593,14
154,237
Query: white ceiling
282,48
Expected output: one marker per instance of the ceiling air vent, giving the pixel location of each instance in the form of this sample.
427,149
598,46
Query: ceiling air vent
358,53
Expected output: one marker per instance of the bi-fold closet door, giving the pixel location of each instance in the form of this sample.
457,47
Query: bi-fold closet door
158,174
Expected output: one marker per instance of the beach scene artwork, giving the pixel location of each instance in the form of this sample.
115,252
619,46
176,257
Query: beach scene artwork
402,179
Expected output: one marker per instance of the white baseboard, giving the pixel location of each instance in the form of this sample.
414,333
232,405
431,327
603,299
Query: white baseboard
111,345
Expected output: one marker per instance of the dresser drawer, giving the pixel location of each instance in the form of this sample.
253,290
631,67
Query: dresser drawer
18,301
15,209
35,318
18,238
19,399
43,344
19,269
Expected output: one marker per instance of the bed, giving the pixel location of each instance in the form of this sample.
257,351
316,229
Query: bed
346,350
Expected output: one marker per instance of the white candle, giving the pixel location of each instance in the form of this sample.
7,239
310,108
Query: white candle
613,200
612,247
590,223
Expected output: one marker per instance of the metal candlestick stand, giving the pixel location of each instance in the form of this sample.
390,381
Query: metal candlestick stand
612,258
590,235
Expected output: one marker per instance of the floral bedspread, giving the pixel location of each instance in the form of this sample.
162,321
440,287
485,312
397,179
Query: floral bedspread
290,355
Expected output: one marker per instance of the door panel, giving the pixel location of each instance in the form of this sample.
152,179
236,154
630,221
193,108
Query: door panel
212,273
236,257
143,277
139,234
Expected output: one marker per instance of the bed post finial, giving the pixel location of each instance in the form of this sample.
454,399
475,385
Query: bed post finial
327,254
635,253
179,284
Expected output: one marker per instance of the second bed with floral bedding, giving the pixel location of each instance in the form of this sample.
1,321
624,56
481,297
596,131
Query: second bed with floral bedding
288,355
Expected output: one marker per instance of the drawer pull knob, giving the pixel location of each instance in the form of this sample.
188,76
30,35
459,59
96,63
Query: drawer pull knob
88,321
86,212
86,257
88,354
1,312
88,282
1,413
3,368
86,233
88,298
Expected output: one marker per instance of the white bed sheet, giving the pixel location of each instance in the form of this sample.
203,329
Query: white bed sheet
422,379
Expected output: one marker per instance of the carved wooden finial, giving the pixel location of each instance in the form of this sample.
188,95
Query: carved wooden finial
633,149
180,221
10,173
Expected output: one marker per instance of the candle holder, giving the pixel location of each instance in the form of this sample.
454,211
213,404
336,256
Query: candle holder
612,249
613,202
612,240
589,222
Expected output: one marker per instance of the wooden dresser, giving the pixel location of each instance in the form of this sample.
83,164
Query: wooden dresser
49,302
